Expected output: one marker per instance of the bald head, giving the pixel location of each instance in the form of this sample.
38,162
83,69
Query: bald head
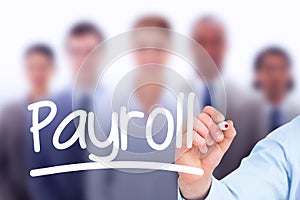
209,32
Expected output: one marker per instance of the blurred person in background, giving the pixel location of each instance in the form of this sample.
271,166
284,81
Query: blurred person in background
81,39
142,93
210,33
151,60
274,83
39,64
39,69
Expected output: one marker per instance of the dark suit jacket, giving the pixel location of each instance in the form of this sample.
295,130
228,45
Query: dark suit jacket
67,186
13,174
245,111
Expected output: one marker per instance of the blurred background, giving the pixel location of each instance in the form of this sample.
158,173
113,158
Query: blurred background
254,44
251,26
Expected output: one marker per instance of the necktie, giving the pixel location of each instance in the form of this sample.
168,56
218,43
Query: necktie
274,119
85,103
206,97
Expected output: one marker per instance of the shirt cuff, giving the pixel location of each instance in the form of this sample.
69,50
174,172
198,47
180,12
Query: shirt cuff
179,195
212,193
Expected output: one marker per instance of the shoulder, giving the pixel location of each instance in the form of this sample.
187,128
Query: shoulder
63,96
243,101
63,101
241,95
288,136
14,105
12,110
292,107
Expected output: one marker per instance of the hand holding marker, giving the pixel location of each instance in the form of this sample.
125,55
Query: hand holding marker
223,126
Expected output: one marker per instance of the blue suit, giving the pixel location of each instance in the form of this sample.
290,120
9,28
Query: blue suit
67,186
107,184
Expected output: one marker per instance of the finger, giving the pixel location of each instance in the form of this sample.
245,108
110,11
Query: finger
200,128
215,133
200,143
216,115
229,135
207,121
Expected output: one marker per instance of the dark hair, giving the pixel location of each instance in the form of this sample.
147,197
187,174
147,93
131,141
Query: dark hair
41,49
156,21
82,28
276,51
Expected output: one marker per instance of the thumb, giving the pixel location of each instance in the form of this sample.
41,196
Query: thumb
229,135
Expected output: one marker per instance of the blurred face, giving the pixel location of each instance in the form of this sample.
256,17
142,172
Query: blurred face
79,47
39,70
158,39
211,36
274,75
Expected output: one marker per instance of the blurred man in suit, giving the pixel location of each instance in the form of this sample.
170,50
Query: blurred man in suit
274,83
82,38
210,33
39,68
141,93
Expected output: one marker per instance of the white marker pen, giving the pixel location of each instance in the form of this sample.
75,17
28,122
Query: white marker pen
223,126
